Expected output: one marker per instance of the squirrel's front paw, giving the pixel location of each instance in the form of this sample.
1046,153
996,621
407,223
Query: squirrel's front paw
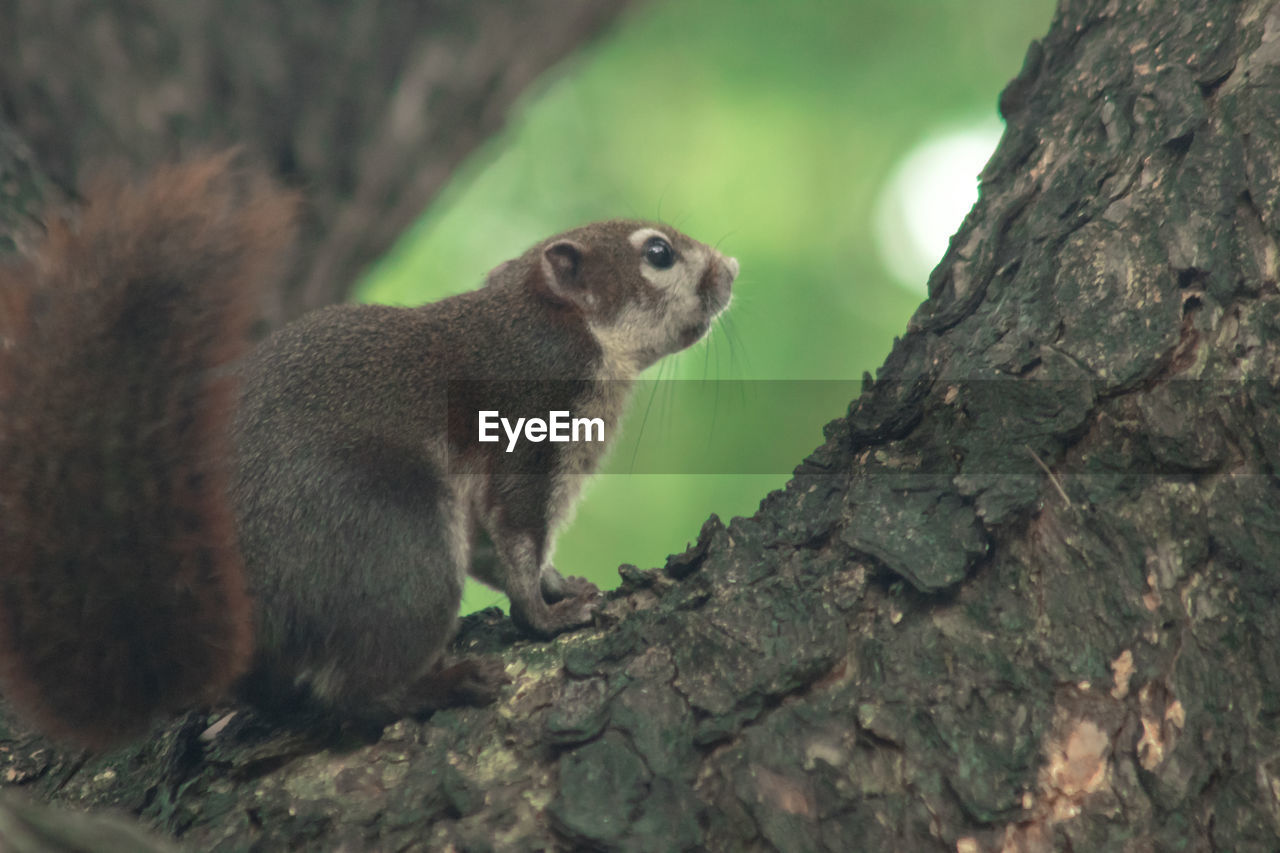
557,587
576,610
576,587
579,608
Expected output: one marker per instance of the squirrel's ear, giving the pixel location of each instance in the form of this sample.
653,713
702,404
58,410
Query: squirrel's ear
562,271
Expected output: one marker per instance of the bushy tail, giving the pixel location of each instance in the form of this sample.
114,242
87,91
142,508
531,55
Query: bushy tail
122,591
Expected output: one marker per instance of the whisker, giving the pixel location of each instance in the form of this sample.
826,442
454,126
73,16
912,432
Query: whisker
644,420
726,236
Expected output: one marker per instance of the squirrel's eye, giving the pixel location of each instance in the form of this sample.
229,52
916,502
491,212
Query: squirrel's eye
658,253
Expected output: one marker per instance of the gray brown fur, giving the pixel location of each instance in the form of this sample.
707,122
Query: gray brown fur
358,491
359,502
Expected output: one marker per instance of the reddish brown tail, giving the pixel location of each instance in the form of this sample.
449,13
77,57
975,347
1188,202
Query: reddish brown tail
122,592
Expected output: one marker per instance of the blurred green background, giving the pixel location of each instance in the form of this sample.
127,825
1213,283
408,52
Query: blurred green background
831,146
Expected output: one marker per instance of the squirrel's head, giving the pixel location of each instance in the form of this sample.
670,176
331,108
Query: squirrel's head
643,289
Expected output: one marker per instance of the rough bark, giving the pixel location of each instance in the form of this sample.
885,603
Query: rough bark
1022,598
367,106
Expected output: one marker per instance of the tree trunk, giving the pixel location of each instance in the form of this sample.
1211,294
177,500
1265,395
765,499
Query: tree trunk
367,106
1023,598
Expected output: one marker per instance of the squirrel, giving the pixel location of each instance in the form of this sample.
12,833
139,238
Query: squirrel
185,516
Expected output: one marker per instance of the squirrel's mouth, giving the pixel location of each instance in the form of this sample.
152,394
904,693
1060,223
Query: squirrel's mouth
693,333
714,291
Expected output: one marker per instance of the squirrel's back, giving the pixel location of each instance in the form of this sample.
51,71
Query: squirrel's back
122,593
